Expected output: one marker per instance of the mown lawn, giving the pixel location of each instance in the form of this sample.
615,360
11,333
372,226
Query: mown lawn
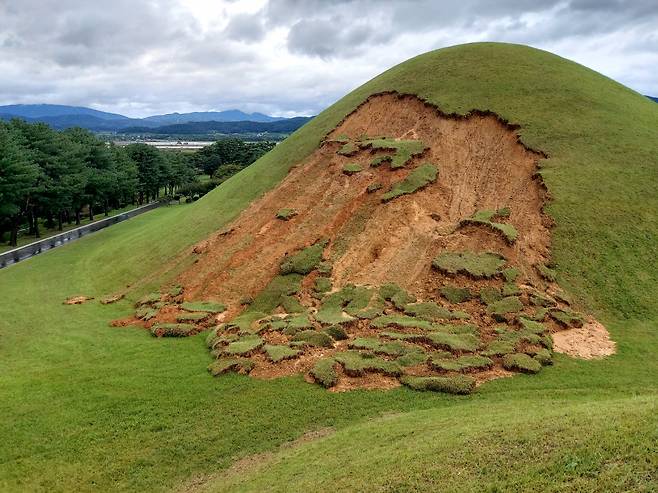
89,407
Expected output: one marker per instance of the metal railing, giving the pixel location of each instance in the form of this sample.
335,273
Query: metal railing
21,253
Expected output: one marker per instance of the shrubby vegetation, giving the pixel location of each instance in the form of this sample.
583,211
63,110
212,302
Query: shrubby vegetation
55,176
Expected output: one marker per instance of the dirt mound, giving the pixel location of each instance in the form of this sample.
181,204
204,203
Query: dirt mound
589,341
410,247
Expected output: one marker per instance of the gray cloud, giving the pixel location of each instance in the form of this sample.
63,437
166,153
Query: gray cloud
286,56
246,27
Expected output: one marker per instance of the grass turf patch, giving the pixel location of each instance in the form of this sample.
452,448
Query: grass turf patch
486,217
456,294
146,313
441,340
417,179
404,149
490,294
324,372
401,321
304,261
357,364
457,384
351,169
462,363
396,295
379,160
379,347
521,362
203,306
336,332
173,330
567,318
286,213
505,306
498,348
277,352
313,338
192,317
225,365
474,264
430,311
244,346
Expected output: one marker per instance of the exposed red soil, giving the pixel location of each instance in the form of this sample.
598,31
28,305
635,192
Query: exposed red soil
482,165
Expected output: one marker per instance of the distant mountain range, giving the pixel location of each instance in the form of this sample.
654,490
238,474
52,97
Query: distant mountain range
653,98
62,116
284,126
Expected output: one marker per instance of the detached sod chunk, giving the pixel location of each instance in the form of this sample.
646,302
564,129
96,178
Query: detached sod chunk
498,348
146,312
224,365
203,306
500,309
277,353
336,332
401,321
348,149
286,214
490,294
486,217
544,357
474,264
149,299
429,311
521,362
532,326
396,295
374,187
357,364
463,363
566,318
404,149
192,317
374,345
458,384
244,346
417,179
324,372
304,261
351,169
379,160
453,342
313,338
173,330
456,294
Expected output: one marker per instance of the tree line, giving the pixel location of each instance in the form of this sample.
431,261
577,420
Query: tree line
57,176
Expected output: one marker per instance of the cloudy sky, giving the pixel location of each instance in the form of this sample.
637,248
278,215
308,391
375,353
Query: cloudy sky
285,57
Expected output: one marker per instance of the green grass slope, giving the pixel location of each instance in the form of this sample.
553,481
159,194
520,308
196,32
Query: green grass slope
88,407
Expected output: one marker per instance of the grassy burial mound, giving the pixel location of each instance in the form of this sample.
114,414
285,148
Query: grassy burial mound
149,413
424,274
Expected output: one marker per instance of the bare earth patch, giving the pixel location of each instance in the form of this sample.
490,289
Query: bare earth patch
592,340
77,300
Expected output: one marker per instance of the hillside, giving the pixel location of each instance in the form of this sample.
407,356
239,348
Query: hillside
211,116
156,418
34,111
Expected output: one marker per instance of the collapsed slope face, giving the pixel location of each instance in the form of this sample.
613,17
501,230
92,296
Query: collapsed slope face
410,247
481,166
